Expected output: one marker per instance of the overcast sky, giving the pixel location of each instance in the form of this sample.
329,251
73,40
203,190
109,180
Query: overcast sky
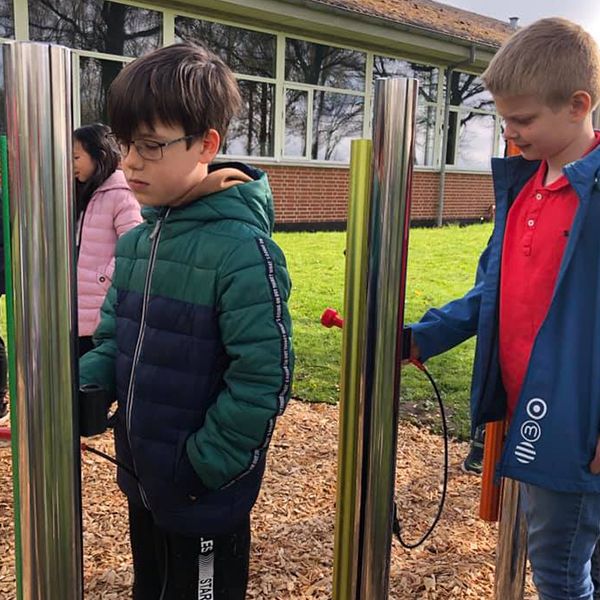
584,12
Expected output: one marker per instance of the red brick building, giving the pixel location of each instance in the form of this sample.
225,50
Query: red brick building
306,70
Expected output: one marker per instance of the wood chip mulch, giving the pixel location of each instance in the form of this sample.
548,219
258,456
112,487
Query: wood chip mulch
293,521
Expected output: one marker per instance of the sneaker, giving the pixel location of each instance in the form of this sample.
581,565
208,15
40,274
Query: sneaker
473,464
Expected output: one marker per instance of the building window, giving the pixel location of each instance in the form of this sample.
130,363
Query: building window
472,124
95,77
96,26
244,51
475,141
428,77
296,118
7,20
308,108
251,56
337,119
253,131
316,64
324,100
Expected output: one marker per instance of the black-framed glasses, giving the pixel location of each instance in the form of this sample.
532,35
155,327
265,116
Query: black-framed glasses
150,149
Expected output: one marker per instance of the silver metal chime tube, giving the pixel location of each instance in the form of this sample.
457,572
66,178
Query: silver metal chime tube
363,538
39,124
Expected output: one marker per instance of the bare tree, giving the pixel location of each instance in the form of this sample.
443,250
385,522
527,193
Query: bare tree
466,90
245,52
98,26
426,74
335,115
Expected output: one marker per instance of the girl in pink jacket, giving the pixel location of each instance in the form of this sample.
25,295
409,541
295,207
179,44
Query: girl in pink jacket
106,209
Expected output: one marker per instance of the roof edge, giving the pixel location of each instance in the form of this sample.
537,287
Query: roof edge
401,25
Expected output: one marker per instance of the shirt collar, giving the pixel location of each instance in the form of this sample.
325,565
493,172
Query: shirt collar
562,182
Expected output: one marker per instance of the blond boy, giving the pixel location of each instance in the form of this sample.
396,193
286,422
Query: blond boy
535,306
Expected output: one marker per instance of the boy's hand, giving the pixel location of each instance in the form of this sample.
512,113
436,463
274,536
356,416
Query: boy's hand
415,353
595,464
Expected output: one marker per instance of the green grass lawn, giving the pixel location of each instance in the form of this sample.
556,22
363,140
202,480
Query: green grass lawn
441,267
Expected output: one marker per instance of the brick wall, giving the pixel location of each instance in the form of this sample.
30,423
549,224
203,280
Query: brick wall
467,196
315,195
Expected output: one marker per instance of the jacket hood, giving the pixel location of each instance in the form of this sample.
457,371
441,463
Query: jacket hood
231,191
584,174
116,181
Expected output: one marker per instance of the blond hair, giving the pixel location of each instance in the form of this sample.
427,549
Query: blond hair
552,59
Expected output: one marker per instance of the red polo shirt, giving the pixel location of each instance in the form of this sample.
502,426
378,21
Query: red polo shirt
537,231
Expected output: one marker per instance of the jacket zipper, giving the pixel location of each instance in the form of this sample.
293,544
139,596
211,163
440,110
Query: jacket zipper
80,231
155,237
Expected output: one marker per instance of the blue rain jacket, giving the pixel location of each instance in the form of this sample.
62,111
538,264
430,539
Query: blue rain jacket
553,433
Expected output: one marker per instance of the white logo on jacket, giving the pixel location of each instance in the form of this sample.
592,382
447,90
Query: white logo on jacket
531,430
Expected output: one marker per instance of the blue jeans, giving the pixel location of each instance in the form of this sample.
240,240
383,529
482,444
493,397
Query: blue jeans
562,531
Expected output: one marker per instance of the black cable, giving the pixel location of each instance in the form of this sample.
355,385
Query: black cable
112,460
396,527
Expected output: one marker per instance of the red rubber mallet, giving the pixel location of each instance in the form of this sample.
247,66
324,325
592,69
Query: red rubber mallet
331,318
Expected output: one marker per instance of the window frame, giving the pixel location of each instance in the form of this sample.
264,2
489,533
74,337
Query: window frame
496,139
21,27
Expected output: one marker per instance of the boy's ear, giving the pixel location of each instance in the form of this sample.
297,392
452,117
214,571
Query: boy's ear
581,105
211,142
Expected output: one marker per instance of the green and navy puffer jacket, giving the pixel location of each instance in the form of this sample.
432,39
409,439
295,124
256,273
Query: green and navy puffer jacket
195,342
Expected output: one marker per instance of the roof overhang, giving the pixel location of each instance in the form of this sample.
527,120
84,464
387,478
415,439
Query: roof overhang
313,19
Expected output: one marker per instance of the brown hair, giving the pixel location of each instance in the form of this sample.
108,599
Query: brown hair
182,84
552,59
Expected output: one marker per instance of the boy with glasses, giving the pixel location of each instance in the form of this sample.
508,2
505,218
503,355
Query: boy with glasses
195,339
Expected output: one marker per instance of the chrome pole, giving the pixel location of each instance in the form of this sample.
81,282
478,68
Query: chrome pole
374,315
393,152
511,551
39,125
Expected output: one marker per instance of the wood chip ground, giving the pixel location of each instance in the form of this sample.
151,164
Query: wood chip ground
293,521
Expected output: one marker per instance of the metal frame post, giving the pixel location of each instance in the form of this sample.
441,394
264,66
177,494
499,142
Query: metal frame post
511,551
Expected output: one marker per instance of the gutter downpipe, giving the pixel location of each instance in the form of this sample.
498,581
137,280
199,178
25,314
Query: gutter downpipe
448,74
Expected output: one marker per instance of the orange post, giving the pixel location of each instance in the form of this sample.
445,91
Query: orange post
489,503
511,149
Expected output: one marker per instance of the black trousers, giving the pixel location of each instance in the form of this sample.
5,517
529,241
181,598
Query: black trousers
169,566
